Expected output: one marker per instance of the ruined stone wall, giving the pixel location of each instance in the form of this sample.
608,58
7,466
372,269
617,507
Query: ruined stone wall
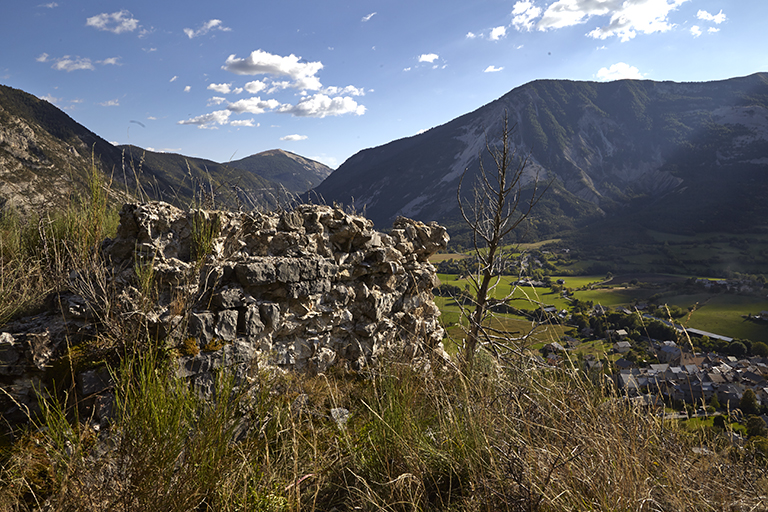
306,288
303,290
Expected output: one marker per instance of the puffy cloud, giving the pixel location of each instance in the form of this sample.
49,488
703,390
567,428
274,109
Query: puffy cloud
523,15
717,18
111,61
321,105
117,22
294,137
205,28
428,57
619,71
492,69
368,16
216,100
498,33
68,64
187,88
713,30
627,18
695,31
243,122
262,63
218,117
255,86
110,103
254,105
42,58
220,88
471,35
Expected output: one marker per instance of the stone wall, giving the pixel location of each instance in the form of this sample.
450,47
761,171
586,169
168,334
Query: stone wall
303,290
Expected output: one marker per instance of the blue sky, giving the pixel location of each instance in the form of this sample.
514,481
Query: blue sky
324,79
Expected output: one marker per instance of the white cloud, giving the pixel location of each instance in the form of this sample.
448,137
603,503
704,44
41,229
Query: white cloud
68,64
205,28
262,63
110,103
218,117
243,122
50,5
174,78
407,69
254,105
321,105
294,137
117,22
220,88
187,88
498,33
713,30
627,17
492,69
50,99
695,31
255,86
619,71
428,57
350,90
111,61
717,18
523,15
368,16
471,35
216,100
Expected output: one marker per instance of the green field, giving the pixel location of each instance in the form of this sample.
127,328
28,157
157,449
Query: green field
722,313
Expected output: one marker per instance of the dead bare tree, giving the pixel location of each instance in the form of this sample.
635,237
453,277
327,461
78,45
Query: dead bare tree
499,207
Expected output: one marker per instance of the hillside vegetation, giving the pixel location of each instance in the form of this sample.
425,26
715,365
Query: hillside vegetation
404,435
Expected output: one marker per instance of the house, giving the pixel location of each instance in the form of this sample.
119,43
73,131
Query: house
570,341
621,333
553,347
622,347
623,364
669,352
729,395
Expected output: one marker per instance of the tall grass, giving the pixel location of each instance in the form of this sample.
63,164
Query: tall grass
522,439
38,251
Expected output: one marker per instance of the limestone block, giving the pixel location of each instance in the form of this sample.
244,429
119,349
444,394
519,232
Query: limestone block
226,327
270,314
201,325
252,324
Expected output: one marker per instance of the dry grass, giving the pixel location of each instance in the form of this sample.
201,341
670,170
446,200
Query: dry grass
520,439
418,436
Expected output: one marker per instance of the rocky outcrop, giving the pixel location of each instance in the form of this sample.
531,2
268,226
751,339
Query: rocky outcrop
302,290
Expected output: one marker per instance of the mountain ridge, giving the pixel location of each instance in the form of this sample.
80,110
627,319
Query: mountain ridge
46,157
610,148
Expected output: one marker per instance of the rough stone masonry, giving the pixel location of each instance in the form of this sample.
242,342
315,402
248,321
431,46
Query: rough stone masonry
303,290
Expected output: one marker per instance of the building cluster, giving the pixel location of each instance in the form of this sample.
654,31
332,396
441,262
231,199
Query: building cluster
697,379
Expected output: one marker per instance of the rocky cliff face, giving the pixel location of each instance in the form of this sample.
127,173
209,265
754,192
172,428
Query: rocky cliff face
303,290
670,149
